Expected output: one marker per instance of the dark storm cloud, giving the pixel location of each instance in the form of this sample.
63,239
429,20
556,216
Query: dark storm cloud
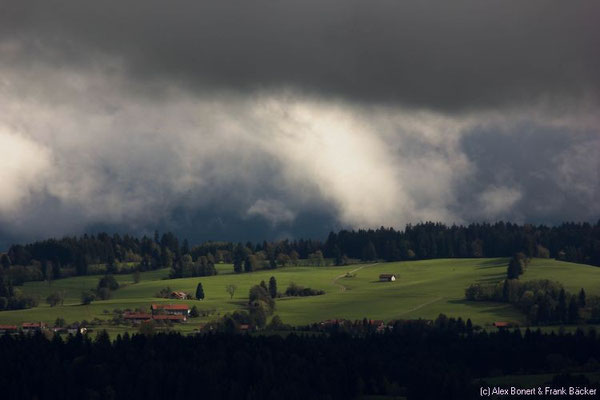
535,176
251,120
435,54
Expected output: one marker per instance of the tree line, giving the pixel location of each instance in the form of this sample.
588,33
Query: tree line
576,242
414,359
103,253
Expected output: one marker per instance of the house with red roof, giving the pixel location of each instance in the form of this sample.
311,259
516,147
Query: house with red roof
31,327
502,324
137,317
170,309
10,329
169,317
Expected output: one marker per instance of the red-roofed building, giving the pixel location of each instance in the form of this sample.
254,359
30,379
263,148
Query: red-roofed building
30,327
171,309
168,317
179,295
8,329
137,317
502,324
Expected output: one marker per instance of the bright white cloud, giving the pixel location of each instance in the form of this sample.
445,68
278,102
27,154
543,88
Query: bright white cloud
272,210
114,152
497,201
23,170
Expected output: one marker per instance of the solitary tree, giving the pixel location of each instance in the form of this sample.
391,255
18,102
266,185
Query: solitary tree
273,287
87,297
516,266
54,299
231,290
199,291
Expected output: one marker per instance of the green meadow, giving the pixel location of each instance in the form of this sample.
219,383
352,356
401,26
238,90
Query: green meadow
423,289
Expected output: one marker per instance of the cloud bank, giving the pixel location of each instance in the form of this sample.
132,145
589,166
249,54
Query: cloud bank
224,121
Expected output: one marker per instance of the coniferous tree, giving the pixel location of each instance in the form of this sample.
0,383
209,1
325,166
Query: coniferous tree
273,287
199,291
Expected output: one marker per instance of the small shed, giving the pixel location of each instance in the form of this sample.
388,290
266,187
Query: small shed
387,277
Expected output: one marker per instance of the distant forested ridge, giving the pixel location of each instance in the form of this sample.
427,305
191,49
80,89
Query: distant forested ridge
55,258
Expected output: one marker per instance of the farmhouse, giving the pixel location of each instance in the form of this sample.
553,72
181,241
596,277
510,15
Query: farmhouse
31,327
169,317
8,329
137,317
179,295
387,277
171,309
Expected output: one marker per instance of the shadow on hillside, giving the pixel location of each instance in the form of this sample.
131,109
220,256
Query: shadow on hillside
502,310
492,278
493,263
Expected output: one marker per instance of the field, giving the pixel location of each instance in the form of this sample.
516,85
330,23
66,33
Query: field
423,289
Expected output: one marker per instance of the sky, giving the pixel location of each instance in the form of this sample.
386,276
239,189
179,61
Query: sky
238,120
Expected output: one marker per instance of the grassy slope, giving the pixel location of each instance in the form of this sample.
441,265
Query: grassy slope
423,290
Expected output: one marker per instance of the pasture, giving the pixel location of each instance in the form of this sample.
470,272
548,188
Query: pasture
423,289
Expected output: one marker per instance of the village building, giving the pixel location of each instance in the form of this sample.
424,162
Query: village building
179,295
137,317
169,317
8,329
74,330
387,277
32,327
171,309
